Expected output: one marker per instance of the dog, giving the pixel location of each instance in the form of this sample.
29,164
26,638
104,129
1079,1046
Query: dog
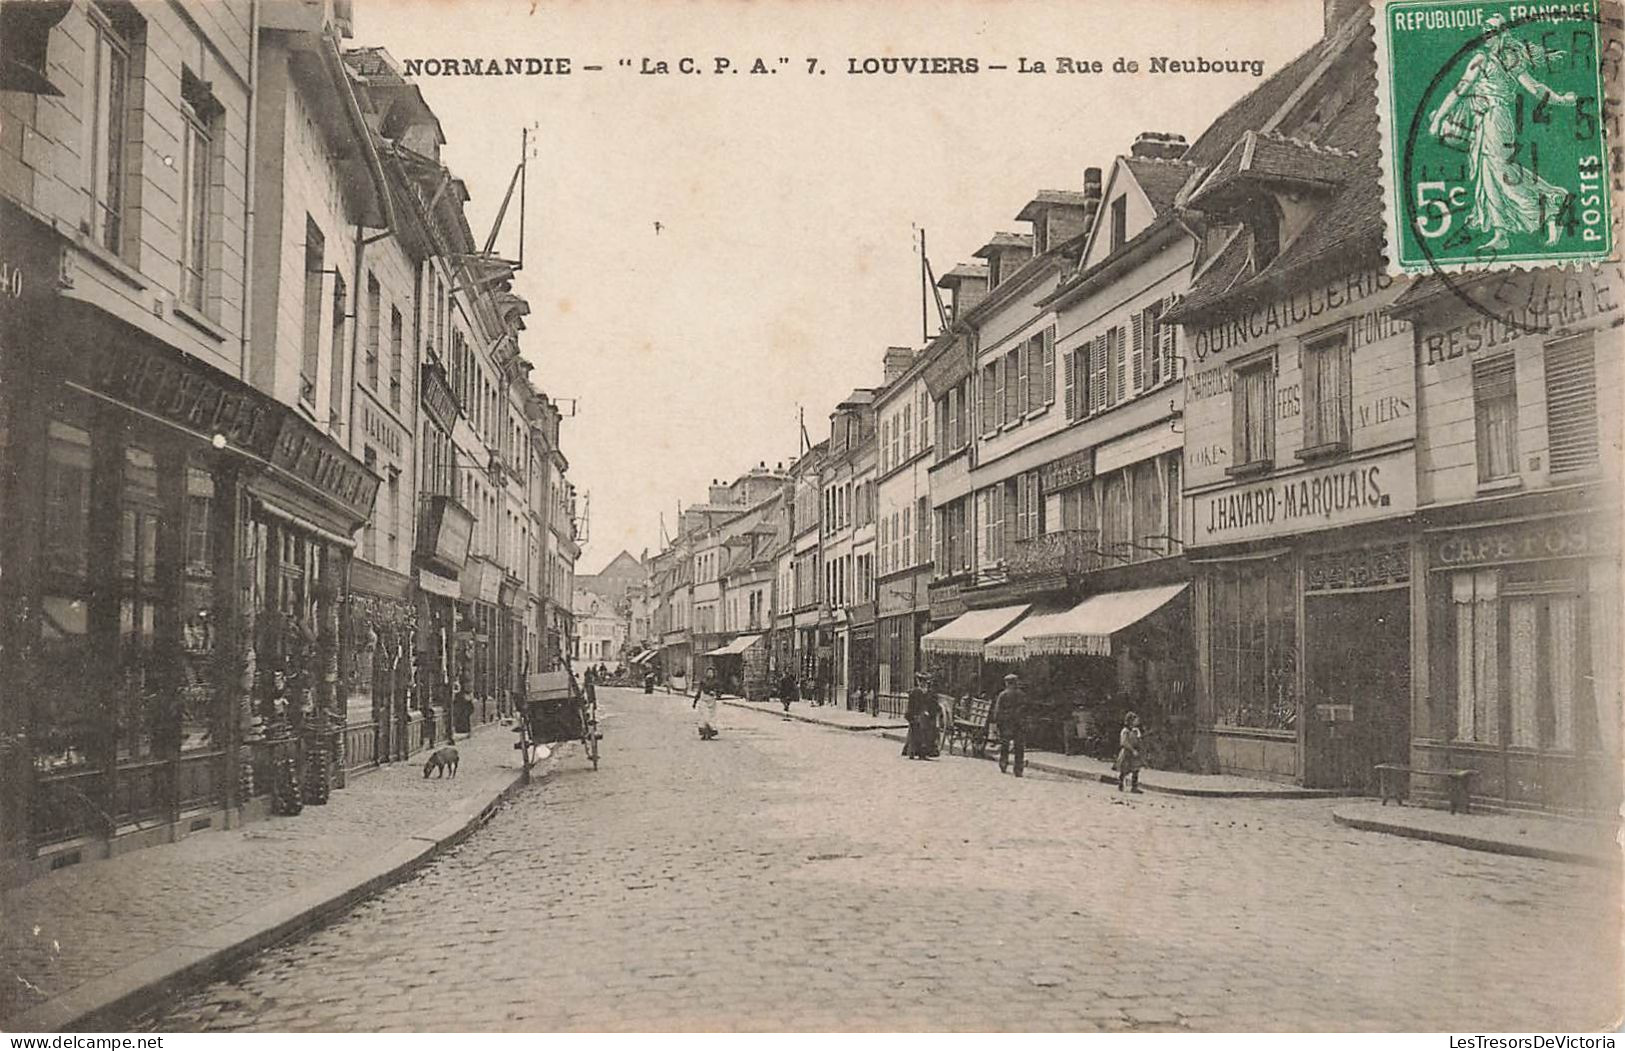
443,760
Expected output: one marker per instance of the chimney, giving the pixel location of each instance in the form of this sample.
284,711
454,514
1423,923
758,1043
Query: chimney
896,362
1161,145
1091,186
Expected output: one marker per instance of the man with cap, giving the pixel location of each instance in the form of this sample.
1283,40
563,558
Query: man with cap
1009,715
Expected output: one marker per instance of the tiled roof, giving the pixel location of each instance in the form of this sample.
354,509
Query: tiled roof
1266,159
1347,232
963,272
1004,239
1160,179
1044,198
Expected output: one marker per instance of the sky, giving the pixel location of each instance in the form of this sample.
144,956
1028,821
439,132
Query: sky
709,255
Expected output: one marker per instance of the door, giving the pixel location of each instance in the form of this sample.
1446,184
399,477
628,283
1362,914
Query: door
1357,679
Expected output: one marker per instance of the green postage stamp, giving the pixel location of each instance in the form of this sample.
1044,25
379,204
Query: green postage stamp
1492,115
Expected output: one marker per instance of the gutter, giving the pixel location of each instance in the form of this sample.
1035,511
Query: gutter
252,149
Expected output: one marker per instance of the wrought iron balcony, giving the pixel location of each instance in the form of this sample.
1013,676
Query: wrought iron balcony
1070,551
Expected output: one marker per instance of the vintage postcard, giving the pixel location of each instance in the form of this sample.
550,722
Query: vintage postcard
777,516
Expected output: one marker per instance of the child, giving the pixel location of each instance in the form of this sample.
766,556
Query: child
1128,753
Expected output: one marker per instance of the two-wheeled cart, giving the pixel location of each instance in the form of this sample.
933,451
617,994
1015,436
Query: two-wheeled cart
557,709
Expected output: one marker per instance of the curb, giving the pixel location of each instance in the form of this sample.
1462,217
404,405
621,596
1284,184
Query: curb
1466,842
193,959
1147,786
750,707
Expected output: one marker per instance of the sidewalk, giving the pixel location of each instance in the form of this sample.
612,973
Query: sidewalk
828,715
1524,835
1171,782
79,946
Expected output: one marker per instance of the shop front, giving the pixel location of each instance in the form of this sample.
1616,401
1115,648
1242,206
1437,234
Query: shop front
1521,662
862,684
380,626
473,698
955,654
172,569
901,620
445,528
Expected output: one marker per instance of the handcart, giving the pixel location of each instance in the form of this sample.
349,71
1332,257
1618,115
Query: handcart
556,709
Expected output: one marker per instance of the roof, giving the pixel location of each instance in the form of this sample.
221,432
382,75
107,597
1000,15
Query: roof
1161,179
1347,231
963,272
1266,159
1002,240
1031,211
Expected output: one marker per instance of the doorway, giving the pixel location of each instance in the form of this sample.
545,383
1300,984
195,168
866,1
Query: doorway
1357,681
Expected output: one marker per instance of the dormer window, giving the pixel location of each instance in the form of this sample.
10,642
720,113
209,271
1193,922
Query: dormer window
1263,221
1119,220
1041,233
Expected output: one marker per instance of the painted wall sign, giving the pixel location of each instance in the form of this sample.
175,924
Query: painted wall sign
1359,568
312,457
183,393
1301,306
1578,537
1071,469
1342,495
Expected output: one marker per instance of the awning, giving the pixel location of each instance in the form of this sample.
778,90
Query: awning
643,657
1087,628
737,646
1012,645
969,632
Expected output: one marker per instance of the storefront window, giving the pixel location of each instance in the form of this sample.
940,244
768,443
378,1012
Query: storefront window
1519,670
1252,622
64,705
200,717
139,681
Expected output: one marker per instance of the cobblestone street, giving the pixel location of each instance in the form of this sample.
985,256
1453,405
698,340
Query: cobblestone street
790,877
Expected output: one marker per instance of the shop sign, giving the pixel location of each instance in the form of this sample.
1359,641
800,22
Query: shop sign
1304,305
1329,498
1577,537
152,380
1072,469
320,462
1357,569
435,584
897,596
447,528
947,601
437,396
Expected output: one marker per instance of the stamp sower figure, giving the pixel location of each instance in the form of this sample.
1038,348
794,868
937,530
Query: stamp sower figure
1508,198
1010,715
1128,752
922,720
705,702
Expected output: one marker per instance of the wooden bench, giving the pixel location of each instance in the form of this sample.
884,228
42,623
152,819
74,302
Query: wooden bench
1393,782
970,726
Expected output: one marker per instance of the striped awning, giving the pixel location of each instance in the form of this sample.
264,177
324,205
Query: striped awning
737,646
1012,645
968,634
1088,627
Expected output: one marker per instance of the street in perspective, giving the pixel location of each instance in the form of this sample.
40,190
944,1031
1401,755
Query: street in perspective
510,525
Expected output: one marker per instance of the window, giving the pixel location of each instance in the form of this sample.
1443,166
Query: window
1029,507
1253,413
112,47
908,431
925,420
335,379
311,350
369,540
1571,405
395,359
1118,364
908,536
1034,355
394,520
1119,218
1327,397
1495,414
1252,652
1523,653
1015,385
992,517
992,399
200,114
1099,372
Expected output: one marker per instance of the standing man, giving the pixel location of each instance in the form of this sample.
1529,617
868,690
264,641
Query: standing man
1010,715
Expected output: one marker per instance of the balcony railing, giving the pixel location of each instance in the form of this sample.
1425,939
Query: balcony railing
1070,551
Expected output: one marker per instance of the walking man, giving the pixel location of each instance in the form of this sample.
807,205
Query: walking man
1009,714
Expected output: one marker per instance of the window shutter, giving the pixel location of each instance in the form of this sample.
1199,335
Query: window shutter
1137,322
1571,405
1023,374
1120,364
1068,363
1167,336
1049,365
1097,386
1021,508
999,380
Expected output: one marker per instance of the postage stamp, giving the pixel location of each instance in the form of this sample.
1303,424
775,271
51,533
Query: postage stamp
1494,151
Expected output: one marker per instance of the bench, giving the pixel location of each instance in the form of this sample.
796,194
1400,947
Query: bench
1393,782
970,726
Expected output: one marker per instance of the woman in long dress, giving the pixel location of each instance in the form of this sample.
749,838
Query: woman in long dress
922,720
1508,196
